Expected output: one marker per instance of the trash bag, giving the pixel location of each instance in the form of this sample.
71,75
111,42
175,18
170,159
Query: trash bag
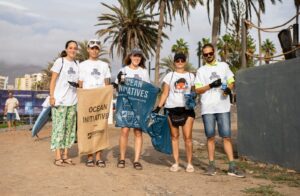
160,133
190,102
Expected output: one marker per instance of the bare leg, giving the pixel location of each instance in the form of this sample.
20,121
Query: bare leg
98,155
138,142
228,148
187,136
175,141
9,125
123,142
211,148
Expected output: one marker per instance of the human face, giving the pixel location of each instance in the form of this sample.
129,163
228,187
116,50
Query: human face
180,63
10,95
72,50
208,54
93,52
135,59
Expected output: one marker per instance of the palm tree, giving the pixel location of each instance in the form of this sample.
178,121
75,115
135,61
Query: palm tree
83,54
180,47
268,48
297,5
168,9
199,49
225,46
128,26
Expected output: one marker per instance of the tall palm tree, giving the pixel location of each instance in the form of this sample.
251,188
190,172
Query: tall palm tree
128,26
180,47
268,48
168,9
83,54
199,49
225,46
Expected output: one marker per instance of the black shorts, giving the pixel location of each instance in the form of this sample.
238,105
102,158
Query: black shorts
179,111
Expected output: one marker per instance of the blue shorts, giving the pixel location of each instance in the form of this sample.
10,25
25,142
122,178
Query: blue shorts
11,116
223,121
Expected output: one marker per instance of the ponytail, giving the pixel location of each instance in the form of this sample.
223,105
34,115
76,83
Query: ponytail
63,53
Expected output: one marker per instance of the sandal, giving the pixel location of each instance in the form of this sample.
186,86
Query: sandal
137,166
189,168
90,163
59,162
174,168
68,161
100,163
121,164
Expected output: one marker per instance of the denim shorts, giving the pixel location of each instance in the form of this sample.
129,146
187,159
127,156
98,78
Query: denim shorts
223,122
11,116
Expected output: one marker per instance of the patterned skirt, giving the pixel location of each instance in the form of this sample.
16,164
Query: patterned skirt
63,127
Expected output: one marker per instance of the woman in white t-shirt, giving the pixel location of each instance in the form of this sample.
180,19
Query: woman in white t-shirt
63,99
175,85
135,68
94,73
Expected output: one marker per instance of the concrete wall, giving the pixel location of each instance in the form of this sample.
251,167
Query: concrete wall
268,106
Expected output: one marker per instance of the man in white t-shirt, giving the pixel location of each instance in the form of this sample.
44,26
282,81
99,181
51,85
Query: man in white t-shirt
10,105
94,73
214,81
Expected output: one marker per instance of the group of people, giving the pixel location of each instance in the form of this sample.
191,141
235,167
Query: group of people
214,81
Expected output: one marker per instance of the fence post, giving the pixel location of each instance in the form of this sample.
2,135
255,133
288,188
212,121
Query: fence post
244,45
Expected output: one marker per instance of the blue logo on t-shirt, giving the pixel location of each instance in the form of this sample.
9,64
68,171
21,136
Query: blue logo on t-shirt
71,71
95,72
214,75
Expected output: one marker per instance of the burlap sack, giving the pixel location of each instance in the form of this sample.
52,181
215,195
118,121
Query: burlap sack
93,112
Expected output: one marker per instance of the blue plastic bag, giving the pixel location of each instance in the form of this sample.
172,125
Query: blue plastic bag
159,132
190,102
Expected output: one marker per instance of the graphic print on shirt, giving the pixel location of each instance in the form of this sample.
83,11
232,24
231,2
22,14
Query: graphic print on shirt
180,85
95,73
71,74
136,76
214,76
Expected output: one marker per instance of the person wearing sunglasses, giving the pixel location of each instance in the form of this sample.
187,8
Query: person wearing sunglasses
63,99
214,81
175,85
134,68
94,73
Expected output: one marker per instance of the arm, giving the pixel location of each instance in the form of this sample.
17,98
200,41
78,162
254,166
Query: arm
202,89
80,83
164,95
107,81
52,87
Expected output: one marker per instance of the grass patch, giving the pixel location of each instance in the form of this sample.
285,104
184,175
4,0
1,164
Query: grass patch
262,190
4,125
273,173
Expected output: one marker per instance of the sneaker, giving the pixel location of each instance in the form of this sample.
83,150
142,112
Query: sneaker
210,170
174,168
189,168
232,171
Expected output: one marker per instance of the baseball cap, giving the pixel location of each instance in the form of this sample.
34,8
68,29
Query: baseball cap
135,51
179,56
93,43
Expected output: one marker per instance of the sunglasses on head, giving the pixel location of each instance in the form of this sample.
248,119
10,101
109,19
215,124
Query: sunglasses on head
94,42
180,60
208,54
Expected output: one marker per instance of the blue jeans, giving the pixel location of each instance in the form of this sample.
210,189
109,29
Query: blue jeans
223,121
11,116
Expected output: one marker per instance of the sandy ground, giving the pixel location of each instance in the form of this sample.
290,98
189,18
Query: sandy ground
26,168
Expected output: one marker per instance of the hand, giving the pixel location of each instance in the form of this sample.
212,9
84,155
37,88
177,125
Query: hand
52,101
114,85
215,83
156,110
227,91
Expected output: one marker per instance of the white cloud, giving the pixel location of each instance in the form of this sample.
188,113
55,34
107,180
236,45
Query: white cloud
13,5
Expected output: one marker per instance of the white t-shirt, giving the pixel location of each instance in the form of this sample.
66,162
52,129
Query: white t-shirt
179,84
213,101
11,103
139,73
92,73
64,93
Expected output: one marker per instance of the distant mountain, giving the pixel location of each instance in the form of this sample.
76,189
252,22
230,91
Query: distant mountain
15,71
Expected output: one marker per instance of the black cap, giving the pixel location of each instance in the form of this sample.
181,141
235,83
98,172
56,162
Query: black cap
179,56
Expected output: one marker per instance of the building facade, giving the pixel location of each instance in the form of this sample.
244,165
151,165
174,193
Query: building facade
29,81
3,82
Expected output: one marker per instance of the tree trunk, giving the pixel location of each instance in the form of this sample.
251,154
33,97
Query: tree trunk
158,42
216,22
259,35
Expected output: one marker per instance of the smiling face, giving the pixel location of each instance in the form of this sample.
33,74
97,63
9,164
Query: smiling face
180,63
93,52
72,50
135,59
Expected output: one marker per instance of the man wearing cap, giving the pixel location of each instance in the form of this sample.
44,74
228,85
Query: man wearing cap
94,73
214,82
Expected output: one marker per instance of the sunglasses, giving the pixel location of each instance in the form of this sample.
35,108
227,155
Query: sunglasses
180,61
208,54
94,42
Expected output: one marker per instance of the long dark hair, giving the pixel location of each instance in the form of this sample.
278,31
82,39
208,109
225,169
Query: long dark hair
127,61
64,53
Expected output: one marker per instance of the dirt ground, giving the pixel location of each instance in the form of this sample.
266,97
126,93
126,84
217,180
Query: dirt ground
26,168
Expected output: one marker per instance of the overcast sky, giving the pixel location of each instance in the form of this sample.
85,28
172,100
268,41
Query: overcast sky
33,32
